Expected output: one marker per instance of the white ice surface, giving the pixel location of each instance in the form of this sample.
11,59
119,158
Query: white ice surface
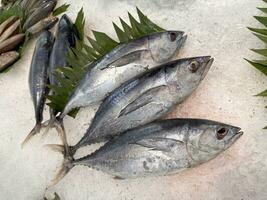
214,27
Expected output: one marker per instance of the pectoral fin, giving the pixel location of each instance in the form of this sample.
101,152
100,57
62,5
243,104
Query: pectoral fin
141,101
126,59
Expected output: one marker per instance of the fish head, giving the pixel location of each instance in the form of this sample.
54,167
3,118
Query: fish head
66,27
164,45
207,139
186,74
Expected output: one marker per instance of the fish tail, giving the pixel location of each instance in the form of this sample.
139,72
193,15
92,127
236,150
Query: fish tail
49,124
61,149
65,168
33,132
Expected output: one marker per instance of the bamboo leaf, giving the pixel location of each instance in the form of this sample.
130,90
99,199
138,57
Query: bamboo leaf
122,36
127,29
61,9
258,30
262,94
258,66
262,52
263,9
261,37
262,20
79,24
96,46
262,62
105,41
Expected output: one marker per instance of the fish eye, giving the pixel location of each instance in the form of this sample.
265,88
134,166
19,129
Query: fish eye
221,133
194,66
173,36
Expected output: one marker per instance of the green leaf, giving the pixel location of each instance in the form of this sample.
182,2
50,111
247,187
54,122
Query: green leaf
127,29
262,94
258,66
258,30
261,37
262,20
61,9
262,62
105,41
262,52
79,24
122,36
263,10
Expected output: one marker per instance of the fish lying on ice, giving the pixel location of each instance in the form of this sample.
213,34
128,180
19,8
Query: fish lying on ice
123,63
38,78
159,148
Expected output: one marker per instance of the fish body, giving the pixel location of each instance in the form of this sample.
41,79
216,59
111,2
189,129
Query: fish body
123,63
44,24
40,13
7,59
160,148
38,78
7,23
146,98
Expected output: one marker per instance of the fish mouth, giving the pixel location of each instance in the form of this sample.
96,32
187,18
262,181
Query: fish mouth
182,39
235,137
208,61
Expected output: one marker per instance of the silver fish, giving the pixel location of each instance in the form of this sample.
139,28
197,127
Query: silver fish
145,98
44,24
160,148
38,78
123,63
7,59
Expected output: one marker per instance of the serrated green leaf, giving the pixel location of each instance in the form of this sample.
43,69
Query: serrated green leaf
263,94
262,20
258,66
261,37
265,1
258,30
262,62
61,9
122,36
134,24
96,46
263,10
262,52
91,52
79,24
127,29
105,41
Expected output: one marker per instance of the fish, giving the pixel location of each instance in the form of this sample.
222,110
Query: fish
44,24
160,148
11,42
7,59
124,62
10,31
7,23
65,39
38,79
40,13
144,99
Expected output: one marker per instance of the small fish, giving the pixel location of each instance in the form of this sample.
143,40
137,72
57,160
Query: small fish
7,23
65,39
145,99
7,59
11,43
160,148
39,14
10,31
44,24
123,63
38,78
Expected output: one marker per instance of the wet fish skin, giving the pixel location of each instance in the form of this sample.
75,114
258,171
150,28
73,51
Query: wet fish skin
11,43
7,59
145,99
39,14
44,24
38,78
123,63
7,23
10,31
160,148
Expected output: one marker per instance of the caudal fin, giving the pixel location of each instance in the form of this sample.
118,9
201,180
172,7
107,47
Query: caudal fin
65,168
33,132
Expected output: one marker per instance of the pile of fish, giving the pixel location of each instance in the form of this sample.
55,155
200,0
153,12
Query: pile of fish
136,84
13,30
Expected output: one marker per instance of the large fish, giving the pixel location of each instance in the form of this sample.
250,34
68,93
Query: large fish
123,63
160,148
38,78
145,98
